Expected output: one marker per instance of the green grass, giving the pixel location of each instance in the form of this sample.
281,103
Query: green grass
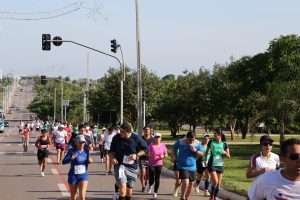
166,136
235,168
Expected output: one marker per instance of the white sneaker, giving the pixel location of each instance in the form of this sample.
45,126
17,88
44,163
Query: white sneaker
149,189
42,173
115,196
155,195
101,160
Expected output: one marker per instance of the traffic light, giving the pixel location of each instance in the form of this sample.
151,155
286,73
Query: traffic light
46,45
114,45
44,80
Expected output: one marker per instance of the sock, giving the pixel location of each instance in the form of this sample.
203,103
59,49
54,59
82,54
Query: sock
116,188
127,198
212,190
206,184
217,190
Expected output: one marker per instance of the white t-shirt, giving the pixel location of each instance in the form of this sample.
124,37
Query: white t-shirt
258,162
273,186
107,138
102,138
60,136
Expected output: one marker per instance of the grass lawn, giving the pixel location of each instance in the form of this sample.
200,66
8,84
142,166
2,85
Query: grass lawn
235,168
166,136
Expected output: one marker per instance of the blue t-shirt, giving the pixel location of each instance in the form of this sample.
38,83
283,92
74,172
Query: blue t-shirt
123,147
79,165
186,159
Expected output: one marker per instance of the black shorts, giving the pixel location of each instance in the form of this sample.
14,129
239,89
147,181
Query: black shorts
184,174
143,163
200,167
175,166
218,169
105,152
42,154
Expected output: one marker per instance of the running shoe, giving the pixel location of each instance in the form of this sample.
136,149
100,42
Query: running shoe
42,173
144,189
155,196
197,190
106,172
206,193
149,189
110,172
175,192
115,196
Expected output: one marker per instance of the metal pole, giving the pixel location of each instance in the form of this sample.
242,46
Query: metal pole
62,98
84,106
65,113
144,113
139,75
54,110
121,85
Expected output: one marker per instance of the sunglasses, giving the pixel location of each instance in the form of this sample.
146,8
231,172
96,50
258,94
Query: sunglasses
294,156
267,143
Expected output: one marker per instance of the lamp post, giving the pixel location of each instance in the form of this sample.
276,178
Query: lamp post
139,72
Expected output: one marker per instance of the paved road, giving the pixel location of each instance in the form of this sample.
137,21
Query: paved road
21,179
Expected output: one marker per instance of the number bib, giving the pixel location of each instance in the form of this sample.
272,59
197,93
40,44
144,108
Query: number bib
217,160
127,161
79,169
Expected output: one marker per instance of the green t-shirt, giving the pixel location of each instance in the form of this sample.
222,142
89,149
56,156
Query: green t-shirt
216,158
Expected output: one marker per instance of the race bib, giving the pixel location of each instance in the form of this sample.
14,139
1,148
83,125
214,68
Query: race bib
44,146
217,160
79,169
127,161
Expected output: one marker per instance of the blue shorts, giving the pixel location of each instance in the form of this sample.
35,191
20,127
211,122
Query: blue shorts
75,178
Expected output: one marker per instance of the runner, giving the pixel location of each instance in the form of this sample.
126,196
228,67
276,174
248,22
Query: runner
42,144
100,142
107,139
78,173
176,173
157,151
25,135
95,135
143,161
218,148
60,137
264,161
189,149
124,150
202,168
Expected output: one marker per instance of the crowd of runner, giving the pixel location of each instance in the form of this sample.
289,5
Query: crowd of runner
124,153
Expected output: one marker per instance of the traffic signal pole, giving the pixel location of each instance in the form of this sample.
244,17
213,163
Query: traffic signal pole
57,41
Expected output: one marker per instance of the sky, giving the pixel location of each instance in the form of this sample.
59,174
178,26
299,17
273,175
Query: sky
176,35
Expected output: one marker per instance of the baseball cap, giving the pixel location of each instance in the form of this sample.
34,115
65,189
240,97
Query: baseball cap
265,138
103,129
205,135
80,139
157,135
61,126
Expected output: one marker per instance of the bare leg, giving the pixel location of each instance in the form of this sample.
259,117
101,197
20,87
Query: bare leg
73,191
82,189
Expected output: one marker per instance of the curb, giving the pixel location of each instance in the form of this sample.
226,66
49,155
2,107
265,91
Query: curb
223,194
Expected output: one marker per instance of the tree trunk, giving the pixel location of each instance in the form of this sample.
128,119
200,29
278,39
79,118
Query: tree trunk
244,128
232,127
282,127
194,128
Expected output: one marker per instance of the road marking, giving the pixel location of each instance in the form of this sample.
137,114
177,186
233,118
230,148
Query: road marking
1,138
63,190
54,171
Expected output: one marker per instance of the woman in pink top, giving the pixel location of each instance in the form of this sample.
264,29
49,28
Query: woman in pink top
158,151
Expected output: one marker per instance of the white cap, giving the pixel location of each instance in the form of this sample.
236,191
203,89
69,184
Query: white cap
61,126
157,135
103,129
80,138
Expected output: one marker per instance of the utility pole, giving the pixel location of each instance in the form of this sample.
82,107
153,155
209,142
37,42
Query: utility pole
87,86
62,99
54,110
139,72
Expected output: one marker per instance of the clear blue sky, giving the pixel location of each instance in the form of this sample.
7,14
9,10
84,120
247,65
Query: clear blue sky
175,34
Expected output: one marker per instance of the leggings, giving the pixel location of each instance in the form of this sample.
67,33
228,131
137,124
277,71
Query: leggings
154,176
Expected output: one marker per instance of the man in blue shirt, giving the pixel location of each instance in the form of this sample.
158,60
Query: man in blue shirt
189,150
124,151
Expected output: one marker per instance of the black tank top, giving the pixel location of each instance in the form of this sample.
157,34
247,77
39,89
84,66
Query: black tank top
44,142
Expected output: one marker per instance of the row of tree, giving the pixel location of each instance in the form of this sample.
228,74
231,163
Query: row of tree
241,95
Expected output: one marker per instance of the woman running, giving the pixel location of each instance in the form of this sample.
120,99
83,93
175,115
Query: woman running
218,148
60,138
263,161
78,174
158,151
42,144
